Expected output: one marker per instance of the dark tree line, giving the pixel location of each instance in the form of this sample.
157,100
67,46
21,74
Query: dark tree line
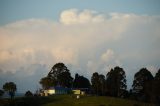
114,84
81,82
145,87
60,76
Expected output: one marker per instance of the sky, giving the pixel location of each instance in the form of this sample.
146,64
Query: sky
86,35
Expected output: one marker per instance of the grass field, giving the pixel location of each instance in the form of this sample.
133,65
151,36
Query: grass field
69,100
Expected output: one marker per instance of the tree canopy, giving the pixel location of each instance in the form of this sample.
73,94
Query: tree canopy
47,82
141,78
81,82
61,75
95,82
10,87
157,76
156,86
102,84
1,92
116,81
28,94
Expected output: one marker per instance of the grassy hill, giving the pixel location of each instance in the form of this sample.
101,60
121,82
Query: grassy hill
69,100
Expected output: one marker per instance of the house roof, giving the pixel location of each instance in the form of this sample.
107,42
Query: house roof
59,88
65,88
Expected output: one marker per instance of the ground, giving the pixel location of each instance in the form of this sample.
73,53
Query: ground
70,100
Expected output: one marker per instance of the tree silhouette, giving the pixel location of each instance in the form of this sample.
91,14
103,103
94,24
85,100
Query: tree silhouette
116,82
76,82
28,94
157,76
47,82
81,82
10,87
102,84
1,92
61,75
98,83
95,83
142,84
140,78
156,87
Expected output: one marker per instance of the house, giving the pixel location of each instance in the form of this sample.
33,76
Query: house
63,90
56,90
76,91
80,91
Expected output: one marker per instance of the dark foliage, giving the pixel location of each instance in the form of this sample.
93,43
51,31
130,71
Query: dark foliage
98,83
102,84
157,76
10,87
156,88
47,82
95,83
81,82
1,92
142,84
60,75
116,82
28,94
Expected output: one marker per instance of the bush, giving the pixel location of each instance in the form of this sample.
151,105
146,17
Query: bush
28,94
1,93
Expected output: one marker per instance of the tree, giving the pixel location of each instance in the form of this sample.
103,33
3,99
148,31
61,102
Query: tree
47,82
10,87
76,82
156,87
98,83
116,82
157,76
102,84
28,94
142,84
61,75
81,82
1,92
95,83
140,79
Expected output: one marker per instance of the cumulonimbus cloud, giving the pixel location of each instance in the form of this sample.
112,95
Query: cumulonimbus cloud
78,38
73,16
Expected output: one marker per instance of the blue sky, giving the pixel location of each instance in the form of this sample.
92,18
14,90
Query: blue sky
50,9
87,35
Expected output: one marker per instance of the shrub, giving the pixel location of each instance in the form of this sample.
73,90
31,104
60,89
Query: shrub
28,94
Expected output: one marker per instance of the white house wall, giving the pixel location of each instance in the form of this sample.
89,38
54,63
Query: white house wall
50,92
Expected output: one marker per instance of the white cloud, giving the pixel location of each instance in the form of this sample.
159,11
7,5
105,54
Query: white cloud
73,16
80,38
65,55
152,69
107,56
104,62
